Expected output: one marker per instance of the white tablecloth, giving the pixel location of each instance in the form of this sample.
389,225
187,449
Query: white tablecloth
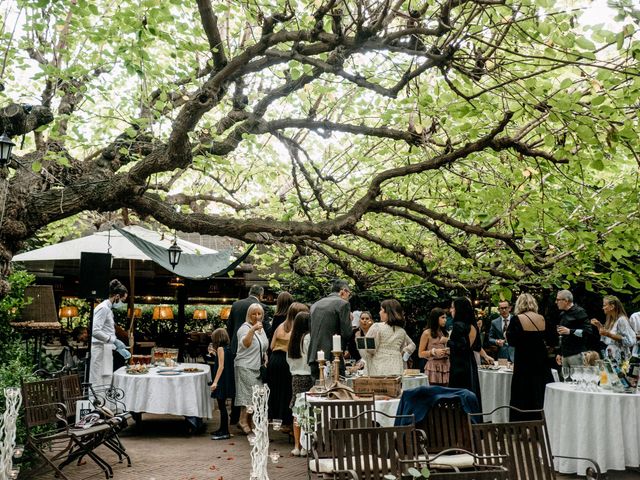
603,426
186,394
495,388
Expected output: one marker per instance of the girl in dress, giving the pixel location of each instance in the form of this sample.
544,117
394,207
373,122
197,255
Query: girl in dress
433,347
301,380
222,386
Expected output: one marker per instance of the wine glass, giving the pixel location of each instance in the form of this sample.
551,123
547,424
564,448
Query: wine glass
576,375
566,373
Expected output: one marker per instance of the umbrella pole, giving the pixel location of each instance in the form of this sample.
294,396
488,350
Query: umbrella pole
131,307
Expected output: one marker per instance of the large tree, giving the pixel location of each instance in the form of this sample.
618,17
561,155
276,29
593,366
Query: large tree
471,143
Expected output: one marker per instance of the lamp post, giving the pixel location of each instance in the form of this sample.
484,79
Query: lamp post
6,145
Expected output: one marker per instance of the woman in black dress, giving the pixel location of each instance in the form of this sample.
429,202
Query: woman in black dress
463,341
530,370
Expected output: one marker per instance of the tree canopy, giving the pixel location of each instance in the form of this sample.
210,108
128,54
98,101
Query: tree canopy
453,143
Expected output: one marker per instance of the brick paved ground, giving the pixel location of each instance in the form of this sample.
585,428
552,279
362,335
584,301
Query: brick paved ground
162,450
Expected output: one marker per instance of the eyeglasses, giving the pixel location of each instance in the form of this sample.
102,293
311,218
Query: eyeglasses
503,308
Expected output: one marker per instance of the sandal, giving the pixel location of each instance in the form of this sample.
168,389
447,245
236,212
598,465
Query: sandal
246,429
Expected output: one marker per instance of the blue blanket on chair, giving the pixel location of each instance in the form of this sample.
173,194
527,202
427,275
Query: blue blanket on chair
418,401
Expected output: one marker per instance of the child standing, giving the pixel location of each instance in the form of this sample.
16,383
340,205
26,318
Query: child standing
222,386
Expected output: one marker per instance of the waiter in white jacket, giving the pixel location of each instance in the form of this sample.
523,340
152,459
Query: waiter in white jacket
103,336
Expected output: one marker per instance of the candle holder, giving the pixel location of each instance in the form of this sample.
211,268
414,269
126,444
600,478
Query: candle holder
321,364
336,366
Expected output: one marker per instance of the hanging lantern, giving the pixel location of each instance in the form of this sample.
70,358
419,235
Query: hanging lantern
6,145
174,254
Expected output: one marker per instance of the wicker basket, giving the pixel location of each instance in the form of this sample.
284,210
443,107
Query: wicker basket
389,386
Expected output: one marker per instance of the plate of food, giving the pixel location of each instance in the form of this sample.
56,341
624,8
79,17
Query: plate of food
169,373
192,370
137,369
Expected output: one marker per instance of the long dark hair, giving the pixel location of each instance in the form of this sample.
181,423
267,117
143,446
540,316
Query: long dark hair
394,312
434,322
294,309
464,311
300,329
282,303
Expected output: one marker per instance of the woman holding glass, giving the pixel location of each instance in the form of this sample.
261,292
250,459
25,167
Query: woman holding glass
433,347
252,350
616,333
531,373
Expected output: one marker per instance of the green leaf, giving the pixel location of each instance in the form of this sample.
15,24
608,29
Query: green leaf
617,281
585,43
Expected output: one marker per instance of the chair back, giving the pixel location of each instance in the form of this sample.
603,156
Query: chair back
41,401
525,443
446,426
373,452
335,409
71,392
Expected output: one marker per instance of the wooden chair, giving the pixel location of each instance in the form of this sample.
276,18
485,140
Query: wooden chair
370,453
483,468
525,443
44,407
326,410
446,427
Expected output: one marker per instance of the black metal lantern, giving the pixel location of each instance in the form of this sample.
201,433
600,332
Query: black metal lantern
174,254
6,145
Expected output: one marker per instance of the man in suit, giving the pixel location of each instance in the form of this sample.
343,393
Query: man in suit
329,316
237,317
498,329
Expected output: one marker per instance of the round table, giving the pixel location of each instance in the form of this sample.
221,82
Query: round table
495,388
185,394
603,426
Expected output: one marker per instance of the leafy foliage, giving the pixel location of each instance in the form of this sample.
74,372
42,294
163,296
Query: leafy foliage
467,144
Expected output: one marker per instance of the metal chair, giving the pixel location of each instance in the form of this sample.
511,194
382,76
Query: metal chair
525,443
44,407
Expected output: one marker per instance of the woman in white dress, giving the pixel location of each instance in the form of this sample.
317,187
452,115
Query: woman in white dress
391,341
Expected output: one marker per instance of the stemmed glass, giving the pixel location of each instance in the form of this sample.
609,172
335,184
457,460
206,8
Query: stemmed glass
566,373
576,374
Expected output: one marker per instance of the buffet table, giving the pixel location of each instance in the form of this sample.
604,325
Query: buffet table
181,394
603,426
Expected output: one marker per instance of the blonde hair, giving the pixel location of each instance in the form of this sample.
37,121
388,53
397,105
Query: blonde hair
526,303
252,307
618,311
590,358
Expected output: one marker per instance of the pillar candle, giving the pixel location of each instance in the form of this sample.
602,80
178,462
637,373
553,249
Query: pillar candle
320,355
337,343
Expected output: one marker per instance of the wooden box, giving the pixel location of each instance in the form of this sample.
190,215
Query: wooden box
389,386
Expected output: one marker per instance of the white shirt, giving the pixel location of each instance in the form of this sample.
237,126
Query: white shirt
104,326
299,366
634,321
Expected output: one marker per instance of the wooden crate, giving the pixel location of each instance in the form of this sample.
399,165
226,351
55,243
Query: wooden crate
390,386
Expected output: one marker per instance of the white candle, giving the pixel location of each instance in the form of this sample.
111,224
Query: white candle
337,343
320,355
